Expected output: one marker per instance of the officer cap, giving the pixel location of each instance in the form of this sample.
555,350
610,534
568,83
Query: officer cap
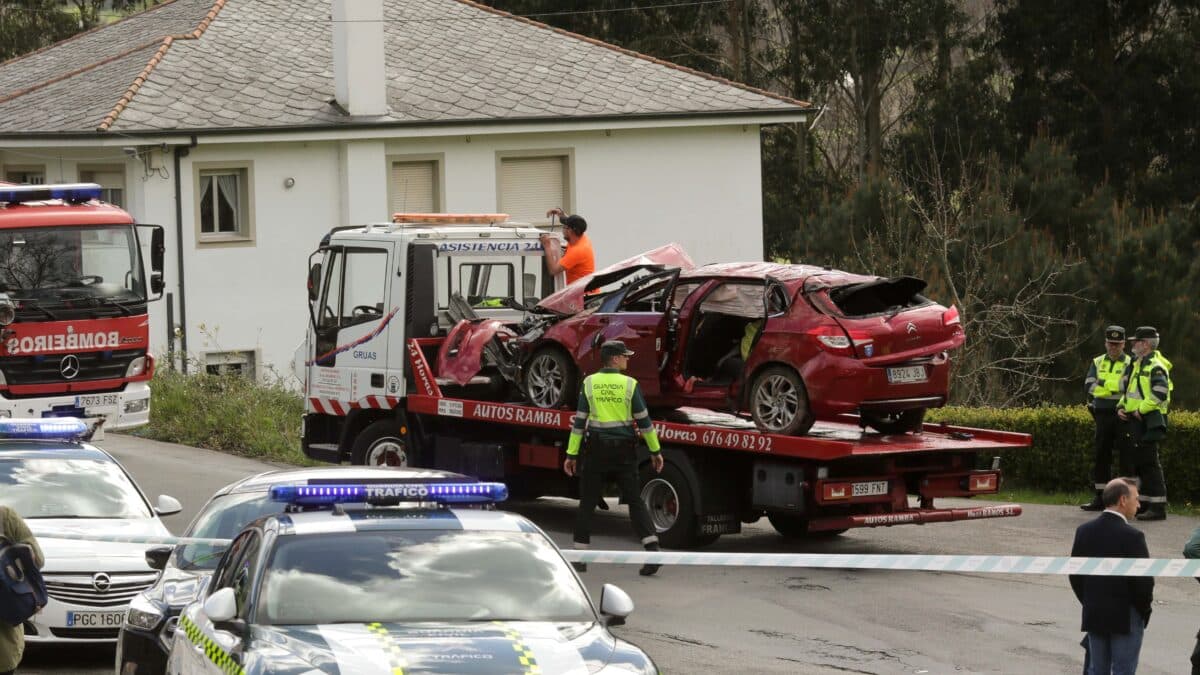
1114,334
1145,333
614,348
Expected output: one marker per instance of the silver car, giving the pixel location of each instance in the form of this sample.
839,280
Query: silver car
62,485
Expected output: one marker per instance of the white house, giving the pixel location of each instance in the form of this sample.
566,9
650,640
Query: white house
248,128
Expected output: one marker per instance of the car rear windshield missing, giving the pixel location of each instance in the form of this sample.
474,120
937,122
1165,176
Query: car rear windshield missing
879,296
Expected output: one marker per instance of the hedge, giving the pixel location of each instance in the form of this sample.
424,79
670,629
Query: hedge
1061,457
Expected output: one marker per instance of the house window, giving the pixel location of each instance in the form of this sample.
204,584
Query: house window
224,203
529,186
414,187
25,175
111,181
231,363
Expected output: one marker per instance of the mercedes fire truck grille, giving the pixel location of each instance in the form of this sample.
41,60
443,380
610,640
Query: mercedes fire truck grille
54,368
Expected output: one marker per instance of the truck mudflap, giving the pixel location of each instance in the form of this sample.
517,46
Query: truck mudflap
913,517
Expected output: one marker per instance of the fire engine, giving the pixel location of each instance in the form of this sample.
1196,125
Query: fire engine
74,328
384,297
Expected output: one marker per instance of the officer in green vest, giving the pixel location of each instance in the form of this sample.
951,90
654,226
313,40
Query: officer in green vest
610,405
1103,388
1147,396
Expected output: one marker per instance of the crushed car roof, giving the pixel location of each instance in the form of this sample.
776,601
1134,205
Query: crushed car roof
569,300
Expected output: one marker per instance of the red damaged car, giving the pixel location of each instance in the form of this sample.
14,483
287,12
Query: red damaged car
786,343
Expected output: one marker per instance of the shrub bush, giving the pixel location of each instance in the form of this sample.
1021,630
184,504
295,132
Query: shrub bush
1061,456
229,413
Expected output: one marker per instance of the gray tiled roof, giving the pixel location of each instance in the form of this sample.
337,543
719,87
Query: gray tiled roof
268,63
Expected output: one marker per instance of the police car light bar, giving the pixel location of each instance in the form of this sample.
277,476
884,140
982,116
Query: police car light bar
53,428
390,493
74,193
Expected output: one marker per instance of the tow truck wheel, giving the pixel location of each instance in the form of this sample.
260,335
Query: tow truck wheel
796,527
779,402
382,444
895,423
550,379
668,497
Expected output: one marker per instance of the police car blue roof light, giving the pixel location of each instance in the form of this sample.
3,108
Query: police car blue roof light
390,493
60,428
73,193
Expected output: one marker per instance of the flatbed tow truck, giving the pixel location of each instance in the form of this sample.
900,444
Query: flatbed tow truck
372,397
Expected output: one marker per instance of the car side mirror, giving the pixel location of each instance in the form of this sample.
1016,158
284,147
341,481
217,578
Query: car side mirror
156,558
314,282
221,605
167,505
615,605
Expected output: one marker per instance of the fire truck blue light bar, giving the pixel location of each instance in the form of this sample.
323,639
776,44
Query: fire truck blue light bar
390,493
58,428
73,193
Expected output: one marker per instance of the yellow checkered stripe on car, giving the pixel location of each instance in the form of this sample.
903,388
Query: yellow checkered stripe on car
219,657
396,659
524,653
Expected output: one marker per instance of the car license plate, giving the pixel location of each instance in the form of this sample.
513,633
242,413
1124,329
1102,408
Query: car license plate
906,374
95,619
97,400
870,488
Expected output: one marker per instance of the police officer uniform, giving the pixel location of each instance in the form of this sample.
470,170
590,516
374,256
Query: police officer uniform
1103,388
610,405
1144,404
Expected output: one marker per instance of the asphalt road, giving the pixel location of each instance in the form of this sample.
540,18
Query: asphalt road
795,621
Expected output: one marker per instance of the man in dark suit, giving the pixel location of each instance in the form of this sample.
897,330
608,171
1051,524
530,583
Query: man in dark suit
1116,610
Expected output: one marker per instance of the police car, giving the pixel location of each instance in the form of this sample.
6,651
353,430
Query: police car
61,485
153,615
385,577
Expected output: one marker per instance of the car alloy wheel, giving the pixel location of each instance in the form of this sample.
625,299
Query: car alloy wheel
663,503
545,381
776,402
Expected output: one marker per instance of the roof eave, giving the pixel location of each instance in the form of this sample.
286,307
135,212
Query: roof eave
770,116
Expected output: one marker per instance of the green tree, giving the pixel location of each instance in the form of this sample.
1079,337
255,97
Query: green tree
28,25
1116,80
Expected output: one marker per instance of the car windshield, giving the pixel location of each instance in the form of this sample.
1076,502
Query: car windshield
418,576
49,267
223,518
69,488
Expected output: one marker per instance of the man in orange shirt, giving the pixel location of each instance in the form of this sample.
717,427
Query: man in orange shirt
579,260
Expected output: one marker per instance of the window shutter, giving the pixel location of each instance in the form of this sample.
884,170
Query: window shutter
530,186
413,187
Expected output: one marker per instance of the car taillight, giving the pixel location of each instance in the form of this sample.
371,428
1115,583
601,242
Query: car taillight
832,339
950,316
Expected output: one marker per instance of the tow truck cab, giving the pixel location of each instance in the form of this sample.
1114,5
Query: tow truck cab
372,289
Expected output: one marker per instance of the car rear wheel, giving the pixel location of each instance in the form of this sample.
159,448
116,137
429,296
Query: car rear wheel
384,443
551,380
779,402
895,423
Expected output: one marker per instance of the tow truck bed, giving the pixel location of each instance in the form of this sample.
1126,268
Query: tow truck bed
877,497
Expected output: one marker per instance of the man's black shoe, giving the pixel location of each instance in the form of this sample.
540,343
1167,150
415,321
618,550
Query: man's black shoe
1143,507
1094,505
579,567
649,570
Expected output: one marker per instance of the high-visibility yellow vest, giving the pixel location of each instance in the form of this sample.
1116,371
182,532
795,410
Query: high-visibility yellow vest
1139,395
610,400
1108,376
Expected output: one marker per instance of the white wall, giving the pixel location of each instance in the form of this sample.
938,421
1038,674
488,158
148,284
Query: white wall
638,189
